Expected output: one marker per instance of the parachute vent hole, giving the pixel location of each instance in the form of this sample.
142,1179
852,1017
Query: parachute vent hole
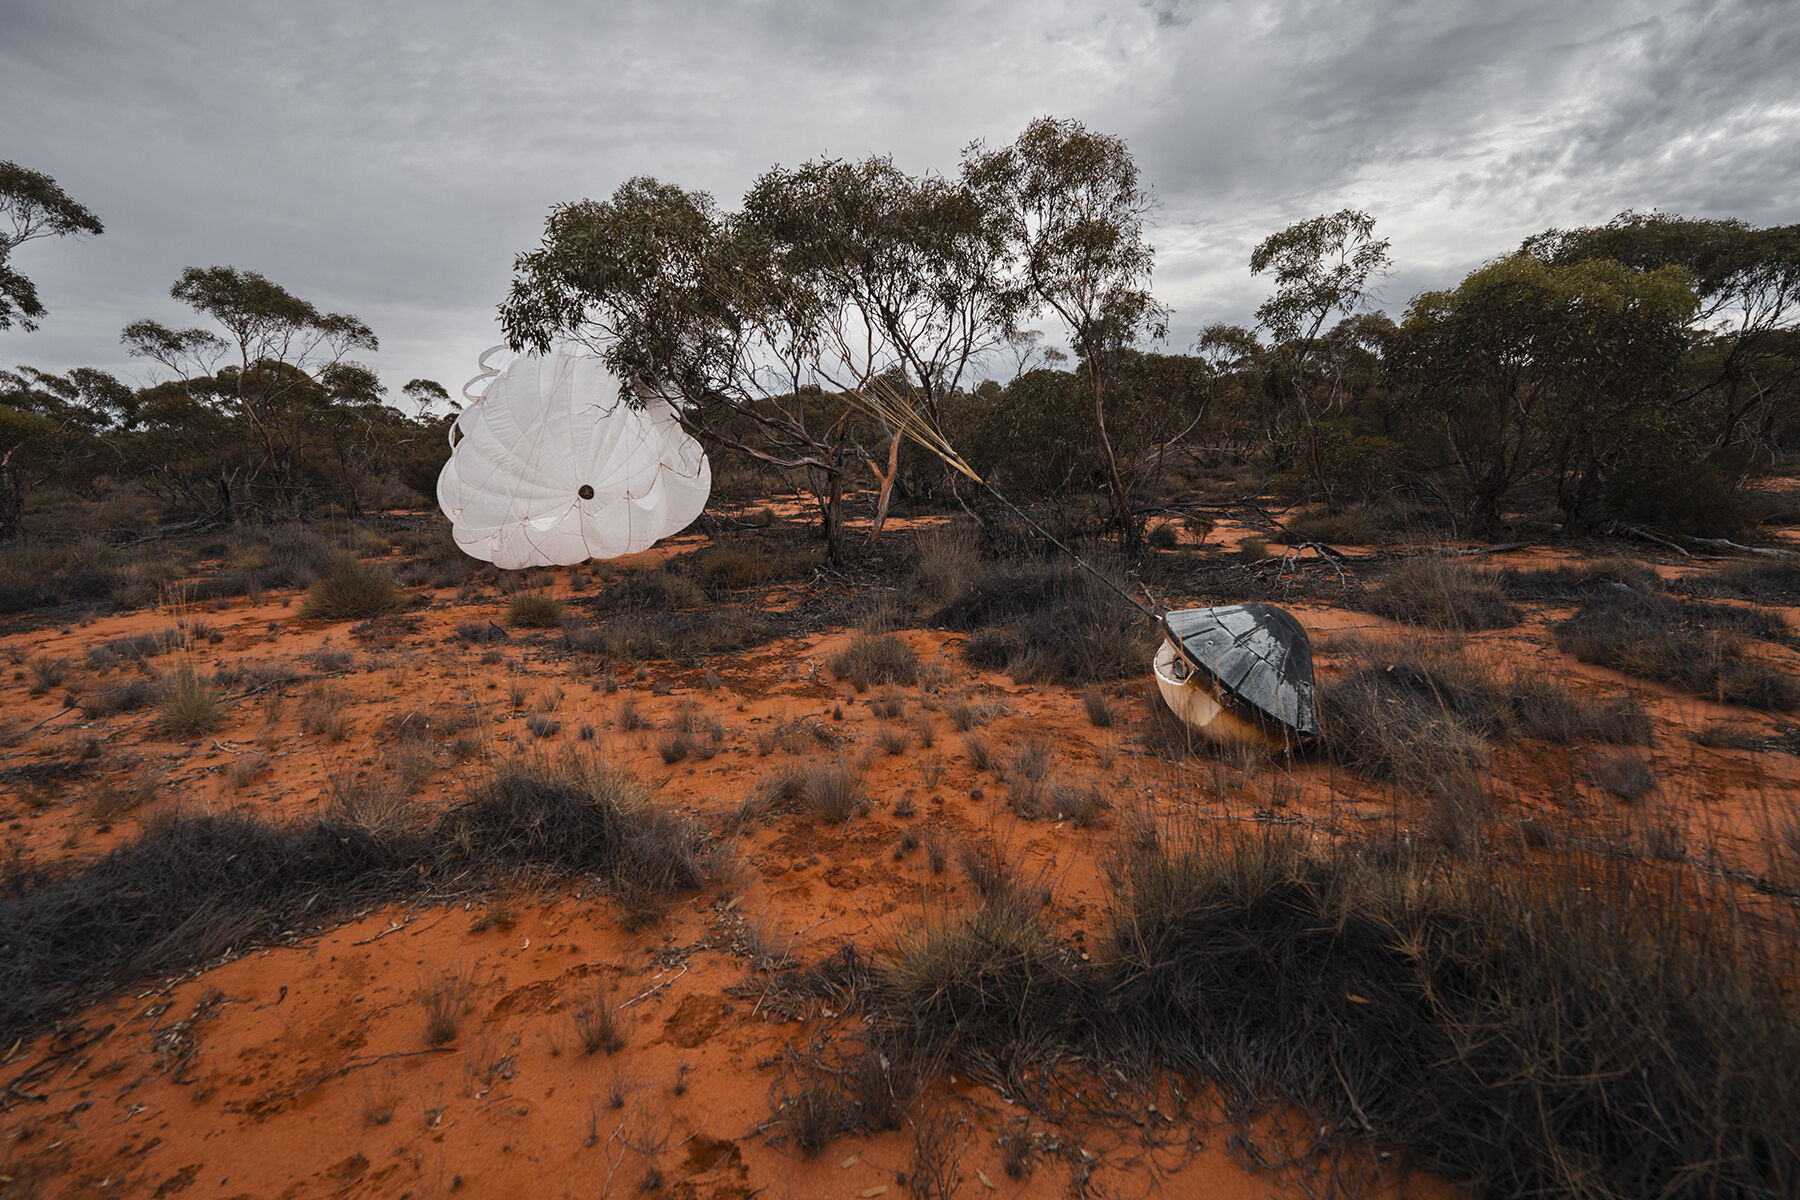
586,491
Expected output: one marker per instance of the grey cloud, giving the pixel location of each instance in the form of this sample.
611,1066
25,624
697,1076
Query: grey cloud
389,160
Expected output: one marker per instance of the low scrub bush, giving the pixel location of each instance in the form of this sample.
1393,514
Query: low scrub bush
1581,1031
1687,644
727,568
654,591
187,705
875,658
1762,580
946,561
535,610
1441,594
352,590
192,888
1577,582
1045,623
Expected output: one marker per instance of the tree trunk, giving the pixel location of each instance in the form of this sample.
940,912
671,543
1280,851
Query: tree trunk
12,499
1121,506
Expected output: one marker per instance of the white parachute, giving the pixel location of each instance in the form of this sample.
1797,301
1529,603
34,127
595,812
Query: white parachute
550,466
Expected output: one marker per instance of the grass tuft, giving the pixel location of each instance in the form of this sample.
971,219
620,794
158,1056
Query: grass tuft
352,590
535,610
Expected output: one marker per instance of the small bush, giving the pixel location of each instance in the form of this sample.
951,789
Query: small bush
535,610
352,590
1441,594
188,706
1099,708
596,1027
727,568
946,561
1764,581
480,632
1575,583
657,591
379,807
1687,644
127,697
444,998
831,792
873,658
1627,776
1049,623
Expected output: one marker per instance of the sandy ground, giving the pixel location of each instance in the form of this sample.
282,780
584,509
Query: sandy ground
304,1070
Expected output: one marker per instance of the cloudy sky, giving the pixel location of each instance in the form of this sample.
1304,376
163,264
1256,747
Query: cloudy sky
389,159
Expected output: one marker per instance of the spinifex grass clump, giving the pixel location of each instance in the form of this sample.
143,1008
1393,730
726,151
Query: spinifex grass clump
1690,645
352,590
1049,622
1585,1028
1425,716
187,705
196,887
876,658
535,610
1443,595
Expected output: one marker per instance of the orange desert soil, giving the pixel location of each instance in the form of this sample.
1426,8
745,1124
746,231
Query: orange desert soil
304,1070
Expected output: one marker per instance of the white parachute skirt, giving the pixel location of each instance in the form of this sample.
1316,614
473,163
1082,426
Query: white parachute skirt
551,467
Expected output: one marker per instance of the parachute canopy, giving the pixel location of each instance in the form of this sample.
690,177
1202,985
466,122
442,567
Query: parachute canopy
551,467
1252,658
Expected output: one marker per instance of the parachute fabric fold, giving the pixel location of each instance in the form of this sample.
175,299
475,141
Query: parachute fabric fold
551,467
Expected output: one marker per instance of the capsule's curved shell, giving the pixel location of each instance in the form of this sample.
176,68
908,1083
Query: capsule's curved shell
551,467
1230,671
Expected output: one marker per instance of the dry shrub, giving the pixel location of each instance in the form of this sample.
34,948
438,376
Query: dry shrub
893,741
380,807
1099,708
659,591
1442,594
1693,646
444,998
1428,1010
324,716
946,561
535,610
876,658
191,888
1044,623
832,791
1762,580
126,697
352,590
1630,777
728,568
1571,584
596,1026
187,705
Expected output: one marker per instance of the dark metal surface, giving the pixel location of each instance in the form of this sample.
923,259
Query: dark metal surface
1258,654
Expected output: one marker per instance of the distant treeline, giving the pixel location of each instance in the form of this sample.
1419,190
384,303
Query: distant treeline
1645,371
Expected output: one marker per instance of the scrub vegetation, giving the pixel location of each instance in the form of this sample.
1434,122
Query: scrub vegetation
1526,916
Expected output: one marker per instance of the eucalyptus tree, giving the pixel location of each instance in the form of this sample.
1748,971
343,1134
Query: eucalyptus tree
1074,213
49,427
838,283
1534,372
1746,352
686,302
274,364
35,206
1321,268
905,277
